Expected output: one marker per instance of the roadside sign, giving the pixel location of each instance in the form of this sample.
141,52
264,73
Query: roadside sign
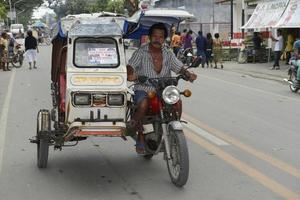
11,14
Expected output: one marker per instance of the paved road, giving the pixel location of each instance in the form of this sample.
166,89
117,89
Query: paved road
243,140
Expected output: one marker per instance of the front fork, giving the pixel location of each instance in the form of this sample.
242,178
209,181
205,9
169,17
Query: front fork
165,135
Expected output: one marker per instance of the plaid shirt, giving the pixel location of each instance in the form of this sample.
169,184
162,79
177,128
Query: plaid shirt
142,63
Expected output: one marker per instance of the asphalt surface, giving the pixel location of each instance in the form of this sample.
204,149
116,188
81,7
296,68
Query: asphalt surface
243,138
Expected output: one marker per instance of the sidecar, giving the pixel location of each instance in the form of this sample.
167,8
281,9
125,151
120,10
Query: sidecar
89,87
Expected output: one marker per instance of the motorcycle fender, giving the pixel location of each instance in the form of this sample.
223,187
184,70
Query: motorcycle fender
175,125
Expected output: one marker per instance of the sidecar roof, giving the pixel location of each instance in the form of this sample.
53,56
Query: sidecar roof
95,24
141,21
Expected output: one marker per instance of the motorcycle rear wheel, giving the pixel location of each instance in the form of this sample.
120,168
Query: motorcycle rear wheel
178,165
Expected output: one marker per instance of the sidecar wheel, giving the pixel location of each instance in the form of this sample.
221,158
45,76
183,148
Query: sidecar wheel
42,153
178,165
43,129
148,156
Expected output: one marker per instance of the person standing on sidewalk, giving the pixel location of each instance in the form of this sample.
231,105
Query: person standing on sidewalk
289,48
201,44
209,49
278,48
217,51
4,51
31,49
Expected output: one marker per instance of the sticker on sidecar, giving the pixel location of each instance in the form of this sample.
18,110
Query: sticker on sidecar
102,56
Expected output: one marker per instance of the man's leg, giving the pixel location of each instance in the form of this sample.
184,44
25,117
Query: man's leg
34,64
277,57
29,65
141,99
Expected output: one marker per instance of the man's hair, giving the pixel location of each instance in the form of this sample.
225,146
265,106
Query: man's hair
200,33
29,32
217,35
279,31
158,26
184,30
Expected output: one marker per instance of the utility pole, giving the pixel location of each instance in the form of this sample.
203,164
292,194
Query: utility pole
243,18
231,18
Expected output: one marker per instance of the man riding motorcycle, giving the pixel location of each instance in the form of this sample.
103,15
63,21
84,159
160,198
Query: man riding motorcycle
154,61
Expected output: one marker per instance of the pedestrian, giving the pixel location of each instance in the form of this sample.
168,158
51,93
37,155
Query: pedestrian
256,45
176,42
188,40
278,48
31,49
183,35
209,49
4,51
217,51
289,48
201,44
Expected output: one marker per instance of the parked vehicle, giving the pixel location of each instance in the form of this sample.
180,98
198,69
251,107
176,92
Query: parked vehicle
17,30
188,58
90,96
16,57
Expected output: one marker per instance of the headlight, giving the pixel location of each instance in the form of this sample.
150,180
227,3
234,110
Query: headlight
81,99
171,95
115,100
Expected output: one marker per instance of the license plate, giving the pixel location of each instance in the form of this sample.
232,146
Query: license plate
148,128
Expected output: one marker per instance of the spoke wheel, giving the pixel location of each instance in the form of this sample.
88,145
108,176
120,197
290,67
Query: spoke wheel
178,165
293,79
43,129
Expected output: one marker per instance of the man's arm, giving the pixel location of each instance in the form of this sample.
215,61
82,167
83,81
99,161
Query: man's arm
131,76
133,64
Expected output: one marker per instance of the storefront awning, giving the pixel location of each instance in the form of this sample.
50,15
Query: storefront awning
291,16
266,14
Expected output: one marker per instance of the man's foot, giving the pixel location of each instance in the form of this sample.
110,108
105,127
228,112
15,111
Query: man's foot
277,68
222,66
34,67
272,68
140,147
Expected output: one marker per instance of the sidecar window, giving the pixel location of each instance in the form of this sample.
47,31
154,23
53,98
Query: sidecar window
96,53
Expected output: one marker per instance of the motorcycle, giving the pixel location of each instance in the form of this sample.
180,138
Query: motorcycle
187,57
16,58
292,73
163,127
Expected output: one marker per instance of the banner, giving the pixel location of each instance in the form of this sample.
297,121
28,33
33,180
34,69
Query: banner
266,14
291,16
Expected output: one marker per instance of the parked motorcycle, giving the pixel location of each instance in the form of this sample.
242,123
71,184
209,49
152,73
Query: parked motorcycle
187,57
292,75
16,58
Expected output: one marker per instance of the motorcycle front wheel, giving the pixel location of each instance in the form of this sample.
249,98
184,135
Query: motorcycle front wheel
293,79
178,165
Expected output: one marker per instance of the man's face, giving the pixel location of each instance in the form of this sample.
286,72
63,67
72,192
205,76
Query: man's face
157,38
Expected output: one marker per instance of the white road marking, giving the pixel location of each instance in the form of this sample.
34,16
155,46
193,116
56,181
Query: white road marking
205,134
251,88
4,115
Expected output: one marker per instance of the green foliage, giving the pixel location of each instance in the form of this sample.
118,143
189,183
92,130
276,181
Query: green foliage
116,6
63,8
2,11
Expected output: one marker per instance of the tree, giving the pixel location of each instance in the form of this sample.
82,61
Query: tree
2,11
66,7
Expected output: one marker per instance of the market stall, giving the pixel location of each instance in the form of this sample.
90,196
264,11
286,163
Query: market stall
266,16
